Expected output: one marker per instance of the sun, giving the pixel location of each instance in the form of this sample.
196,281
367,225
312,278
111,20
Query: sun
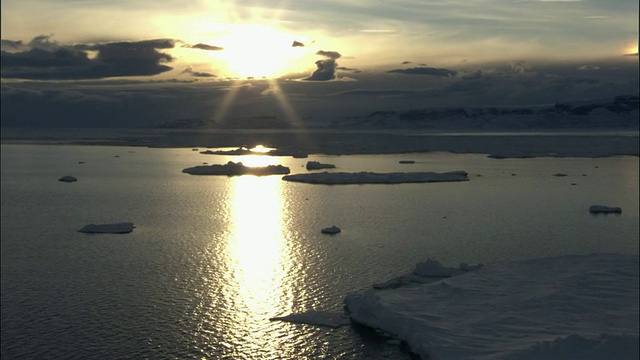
258,51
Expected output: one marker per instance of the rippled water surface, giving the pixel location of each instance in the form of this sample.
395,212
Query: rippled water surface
212,258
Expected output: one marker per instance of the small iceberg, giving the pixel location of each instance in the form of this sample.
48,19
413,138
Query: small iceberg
316,165
406,162
68,178
231,169
318,318
344,178
603,209
331,230
116,228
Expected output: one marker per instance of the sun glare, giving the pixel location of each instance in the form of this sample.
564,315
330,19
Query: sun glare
261,149
258,51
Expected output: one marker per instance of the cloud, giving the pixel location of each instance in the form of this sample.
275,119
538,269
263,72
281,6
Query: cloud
325,69
11,45
297,44
516,68
343,68
330,54
588,68
46,59
190,71
206,47
425,71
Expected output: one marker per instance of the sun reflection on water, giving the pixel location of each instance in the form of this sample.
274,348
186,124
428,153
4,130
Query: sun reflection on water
257,256
257,240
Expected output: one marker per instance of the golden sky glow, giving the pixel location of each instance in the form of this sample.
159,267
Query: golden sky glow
257,36
258,51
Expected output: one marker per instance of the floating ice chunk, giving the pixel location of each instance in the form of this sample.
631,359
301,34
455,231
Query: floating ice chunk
407,162
376,178
331,230
116,228
238,168
595,209
316,165
68,178
547,308
319,318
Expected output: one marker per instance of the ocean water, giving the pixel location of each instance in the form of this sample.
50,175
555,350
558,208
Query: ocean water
212,258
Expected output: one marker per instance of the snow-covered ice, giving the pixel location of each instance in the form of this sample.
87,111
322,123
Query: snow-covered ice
331,230
68,178
424,272
567,307
319,318
316,165
334,178
595,209
238,168
115,228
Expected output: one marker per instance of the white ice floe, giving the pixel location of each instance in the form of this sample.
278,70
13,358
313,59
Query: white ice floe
595,209
318,318
331,230
334,178
68,178
568,307
316,165
238,168
116,228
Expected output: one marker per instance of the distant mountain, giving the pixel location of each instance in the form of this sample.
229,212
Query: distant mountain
621,112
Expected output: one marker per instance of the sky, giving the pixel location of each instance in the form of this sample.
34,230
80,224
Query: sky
157,60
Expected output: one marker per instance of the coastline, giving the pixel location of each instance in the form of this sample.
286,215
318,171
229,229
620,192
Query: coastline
496,144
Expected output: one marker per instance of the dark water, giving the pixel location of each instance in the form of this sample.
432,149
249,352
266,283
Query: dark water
213,258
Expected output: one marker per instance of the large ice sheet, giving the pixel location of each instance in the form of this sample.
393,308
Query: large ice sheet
532,309
231,169
334,178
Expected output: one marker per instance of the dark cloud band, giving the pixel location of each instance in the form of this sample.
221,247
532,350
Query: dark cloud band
425,71
45,59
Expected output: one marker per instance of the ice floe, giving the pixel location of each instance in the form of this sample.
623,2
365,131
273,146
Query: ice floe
68,178
316,165
238,168
318,318
115,228
595,209
334,178
259,150
567,307
331,230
